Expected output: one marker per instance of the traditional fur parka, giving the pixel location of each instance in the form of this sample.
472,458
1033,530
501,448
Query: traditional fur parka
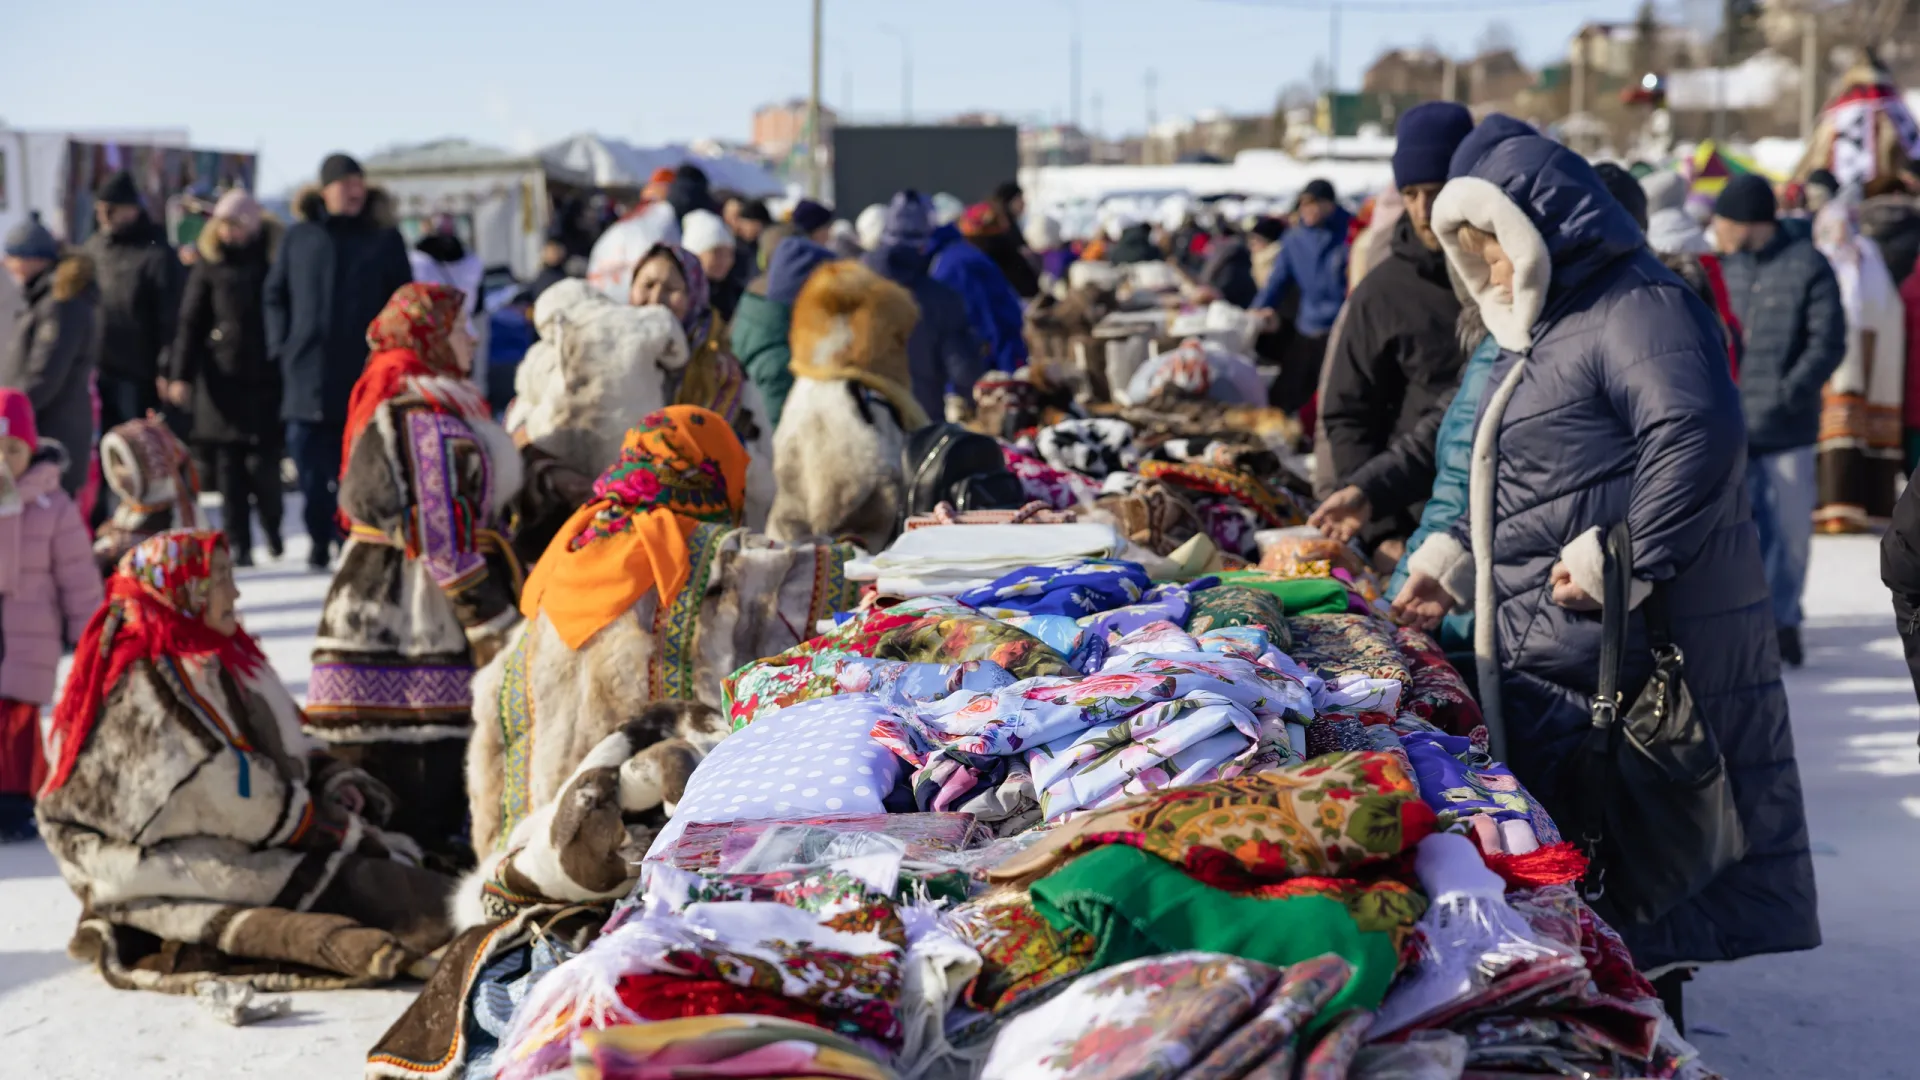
540,707
151,473
599,367
840,451
425,582
198,814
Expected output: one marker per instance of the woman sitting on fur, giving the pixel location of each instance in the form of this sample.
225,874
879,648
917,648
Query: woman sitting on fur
204,834
426,585
649,594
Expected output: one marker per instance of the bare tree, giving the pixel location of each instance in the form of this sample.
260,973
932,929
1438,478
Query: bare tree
1648,56
1298,95
1321,76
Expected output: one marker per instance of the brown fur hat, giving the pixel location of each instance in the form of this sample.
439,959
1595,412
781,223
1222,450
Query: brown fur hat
851,323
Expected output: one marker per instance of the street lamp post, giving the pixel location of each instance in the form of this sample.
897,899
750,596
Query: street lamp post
906,70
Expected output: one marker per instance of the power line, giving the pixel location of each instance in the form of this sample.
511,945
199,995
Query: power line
1402,7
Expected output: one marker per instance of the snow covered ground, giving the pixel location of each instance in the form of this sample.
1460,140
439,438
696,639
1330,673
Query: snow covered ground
1841,1010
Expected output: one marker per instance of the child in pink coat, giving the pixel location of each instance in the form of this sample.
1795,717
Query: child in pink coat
49,588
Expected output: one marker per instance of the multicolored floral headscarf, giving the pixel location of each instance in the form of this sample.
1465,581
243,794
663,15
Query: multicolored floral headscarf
699,321
680,468
420,318
156,609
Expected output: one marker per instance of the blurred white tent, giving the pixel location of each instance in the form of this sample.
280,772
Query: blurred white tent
615,163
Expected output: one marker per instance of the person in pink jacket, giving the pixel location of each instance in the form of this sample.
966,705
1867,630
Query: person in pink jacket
49,588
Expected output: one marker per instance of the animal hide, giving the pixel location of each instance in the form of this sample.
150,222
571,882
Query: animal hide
598,368
840,453
540,708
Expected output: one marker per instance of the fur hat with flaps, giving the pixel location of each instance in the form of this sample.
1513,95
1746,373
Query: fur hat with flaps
851,323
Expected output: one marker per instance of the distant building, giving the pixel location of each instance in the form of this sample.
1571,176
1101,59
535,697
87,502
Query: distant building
1211,133
1055,144
1613,49
1407,72
779,129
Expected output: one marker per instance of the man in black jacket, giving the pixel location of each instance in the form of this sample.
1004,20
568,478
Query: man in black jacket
337,267
1900,571
1399,359
139,279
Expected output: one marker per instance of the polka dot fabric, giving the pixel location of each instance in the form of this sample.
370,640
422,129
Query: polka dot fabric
818,757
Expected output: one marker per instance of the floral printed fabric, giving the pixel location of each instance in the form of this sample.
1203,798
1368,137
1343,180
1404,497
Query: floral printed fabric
1304,991
714,847
1335,646
1235,605
1060,489
1332,817
1457,779
824,940
962,743
763,688
1308,594
1435,691
1147,1020
1022,955
664,464
1137,905
1086,589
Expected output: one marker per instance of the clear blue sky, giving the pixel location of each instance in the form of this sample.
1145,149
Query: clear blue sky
294,81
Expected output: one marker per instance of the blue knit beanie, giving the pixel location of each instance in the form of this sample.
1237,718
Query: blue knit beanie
1427,137
31,240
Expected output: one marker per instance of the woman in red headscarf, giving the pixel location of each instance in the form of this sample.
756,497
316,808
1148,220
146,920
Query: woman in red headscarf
185,805
427,585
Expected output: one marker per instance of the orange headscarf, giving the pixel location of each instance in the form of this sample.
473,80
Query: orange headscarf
410,338
679,468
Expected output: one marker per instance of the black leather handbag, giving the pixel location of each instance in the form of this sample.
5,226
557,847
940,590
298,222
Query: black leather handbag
948,463
1652,805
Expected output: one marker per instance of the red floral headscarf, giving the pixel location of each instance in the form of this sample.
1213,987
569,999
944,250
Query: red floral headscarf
156,607
410,338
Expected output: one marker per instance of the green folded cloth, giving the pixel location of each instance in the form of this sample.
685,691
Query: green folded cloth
1138,905
1299,596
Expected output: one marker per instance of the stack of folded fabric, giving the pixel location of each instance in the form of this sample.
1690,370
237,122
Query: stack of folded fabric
943,560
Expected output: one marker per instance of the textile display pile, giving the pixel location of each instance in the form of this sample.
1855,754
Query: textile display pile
1153,803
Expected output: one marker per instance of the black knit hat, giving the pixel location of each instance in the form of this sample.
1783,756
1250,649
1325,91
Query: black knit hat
1268,228
1625,190
118,190
339,167
1747,200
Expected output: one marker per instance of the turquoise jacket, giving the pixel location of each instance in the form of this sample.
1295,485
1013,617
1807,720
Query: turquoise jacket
1453,458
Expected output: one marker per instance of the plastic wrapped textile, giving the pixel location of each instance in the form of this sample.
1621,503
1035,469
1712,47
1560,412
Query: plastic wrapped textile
1022,955
1170,603
1138,905
1457,779
1034,513
1276,508
1146,1020
1235,834
1298,595
1469,940
1196,370
732,1047
1332,1057
1425,1055
1303,992
1284,550
706,847
825,941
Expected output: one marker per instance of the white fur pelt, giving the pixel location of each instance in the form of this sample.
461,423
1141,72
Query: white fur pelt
841,472
600,366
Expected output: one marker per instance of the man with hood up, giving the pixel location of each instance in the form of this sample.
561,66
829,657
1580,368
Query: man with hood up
337,267
943,355
139,279
993,308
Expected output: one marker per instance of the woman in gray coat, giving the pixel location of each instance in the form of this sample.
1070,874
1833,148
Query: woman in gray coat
1611,402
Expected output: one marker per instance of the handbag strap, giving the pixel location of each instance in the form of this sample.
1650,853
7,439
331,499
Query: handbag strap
1617,570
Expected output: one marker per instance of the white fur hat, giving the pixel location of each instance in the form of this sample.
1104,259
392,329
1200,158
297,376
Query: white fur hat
947,208
869,225
1042,232
702,231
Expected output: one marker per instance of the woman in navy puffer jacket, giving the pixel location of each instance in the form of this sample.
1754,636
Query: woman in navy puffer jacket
1611,402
